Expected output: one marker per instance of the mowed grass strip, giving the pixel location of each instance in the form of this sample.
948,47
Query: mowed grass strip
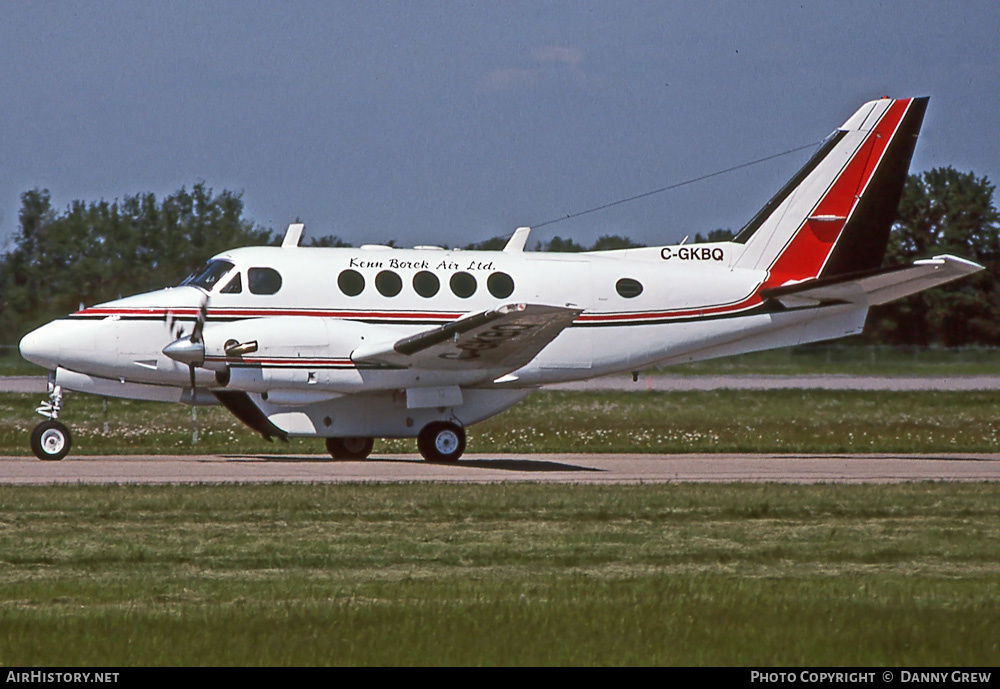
643,421
500,575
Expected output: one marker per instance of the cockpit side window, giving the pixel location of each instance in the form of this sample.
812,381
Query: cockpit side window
209,275
235,286
263,280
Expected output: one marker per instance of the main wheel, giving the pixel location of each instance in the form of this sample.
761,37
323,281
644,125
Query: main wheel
51,440
349,448
441,441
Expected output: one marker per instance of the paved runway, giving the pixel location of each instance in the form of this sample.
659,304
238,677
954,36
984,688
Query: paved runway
555,468
23,384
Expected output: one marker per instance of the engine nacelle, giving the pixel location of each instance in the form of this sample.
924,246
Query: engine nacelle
289,354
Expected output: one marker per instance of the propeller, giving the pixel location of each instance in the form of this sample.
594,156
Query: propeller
199,323
171,321
190,350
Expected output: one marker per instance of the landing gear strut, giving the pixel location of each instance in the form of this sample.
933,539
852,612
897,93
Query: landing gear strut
349,448
51,440
441,441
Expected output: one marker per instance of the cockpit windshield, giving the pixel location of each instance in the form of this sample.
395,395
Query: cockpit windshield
210,275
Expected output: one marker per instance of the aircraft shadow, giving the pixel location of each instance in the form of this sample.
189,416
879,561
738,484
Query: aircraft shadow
525,465
529,465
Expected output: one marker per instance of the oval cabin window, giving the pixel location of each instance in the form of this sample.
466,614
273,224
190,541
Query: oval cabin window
463,285
500,285
426,284
629,288
351,283
388,283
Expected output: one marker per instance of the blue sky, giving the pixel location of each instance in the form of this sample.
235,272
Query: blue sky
451,122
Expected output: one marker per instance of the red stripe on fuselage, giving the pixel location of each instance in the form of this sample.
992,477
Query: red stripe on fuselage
263,313
749,302
406,316
284,361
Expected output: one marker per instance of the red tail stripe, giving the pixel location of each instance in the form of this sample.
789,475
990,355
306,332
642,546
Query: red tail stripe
810,248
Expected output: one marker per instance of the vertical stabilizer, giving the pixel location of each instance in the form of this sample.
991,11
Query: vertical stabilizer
833,217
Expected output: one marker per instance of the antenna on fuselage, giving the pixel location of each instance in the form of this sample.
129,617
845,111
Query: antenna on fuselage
292,235
517,240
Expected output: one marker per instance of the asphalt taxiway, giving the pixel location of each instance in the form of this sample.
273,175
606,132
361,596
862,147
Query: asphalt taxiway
476,468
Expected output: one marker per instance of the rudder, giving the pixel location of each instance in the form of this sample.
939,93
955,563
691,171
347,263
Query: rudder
834,216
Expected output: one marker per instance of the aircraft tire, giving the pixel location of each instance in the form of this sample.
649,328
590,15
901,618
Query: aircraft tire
51,440
349,448
441,441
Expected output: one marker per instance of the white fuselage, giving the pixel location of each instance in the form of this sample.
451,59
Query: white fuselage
692,305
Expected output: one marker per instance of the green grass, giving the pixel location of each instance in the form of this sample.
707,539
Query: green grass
663,422
500,575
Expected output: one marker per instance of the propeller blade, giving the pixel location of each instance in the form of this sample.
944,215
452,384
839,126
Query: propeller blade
199,324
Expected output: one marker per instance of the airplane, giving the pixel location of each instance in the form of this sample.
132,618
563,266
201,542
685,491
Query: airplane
351,344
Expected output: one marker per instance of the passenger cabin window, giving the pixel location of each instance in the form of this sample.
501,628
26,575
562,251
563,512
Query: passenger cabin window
463,285
500,285
263,280
351,283
388,283
628,288
209,275
426,284
235,286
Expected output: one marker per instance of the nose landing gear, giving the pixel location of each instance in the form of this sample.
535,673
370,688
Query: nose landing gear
51,440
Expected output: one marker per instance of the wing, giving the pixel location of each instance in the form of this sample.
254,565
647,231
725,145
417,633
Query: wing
505,338
874,287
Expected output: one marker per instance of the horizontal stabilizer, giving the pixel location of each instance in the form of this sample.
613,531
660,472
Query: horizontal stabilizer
874,287
504,338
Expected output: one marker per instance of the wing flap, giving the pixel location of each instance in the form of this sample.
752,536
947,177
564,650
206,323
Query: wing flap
505,338
875,287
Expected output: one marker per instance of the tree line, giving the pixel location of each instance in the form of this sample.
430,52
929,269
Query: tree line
98,251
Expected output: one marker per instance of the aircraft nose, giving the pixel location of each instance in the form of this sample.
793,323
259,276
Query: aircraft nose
41,346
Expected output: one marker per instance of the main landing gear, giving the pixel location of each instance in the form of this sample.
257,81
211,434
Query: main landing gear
349,448
440,441
51,440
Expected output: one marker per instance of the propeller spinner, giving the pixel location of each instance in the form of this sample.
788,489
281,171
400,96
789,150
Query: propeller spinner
190,350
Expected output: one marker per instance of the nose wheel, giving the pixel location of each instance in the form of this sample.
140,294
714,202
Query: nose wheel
441,441
51,440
